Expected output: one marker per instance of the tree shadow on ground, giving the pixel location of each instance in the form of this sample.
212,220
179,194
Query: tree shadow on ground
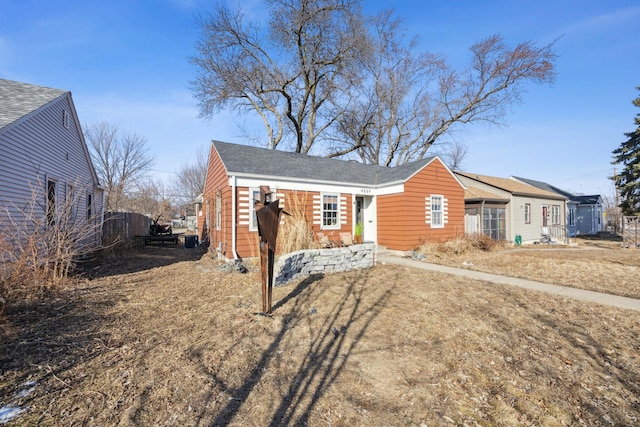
133,260
608,364
42,341
328,352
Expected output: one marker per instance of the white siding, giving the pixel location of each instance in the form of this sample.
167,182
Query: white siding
39,147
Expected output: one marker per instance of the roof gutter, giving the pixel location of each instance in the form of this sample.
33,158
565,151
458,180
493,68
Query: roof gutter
306,180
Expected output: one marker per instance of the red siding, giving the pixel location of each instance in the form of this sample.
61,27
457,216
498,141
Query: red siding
216,181
248,240
401,217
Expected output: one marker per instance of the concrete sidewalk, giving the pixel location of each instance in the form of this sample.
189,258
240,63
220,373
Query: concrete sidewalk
391,257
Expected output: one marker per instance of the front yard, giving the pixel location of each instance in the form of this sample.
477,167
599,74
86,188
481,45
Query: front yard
168,337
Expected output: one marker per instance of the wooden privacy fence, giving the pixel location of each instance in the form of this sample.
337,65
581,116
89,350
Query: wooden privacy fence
631,231
122,227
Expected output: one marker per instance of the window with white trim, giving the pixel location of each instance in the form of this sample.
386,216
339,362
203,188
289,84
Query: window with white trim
527,213
254,196
65,119
555,214
70,206
571,218
437,211
89,206
51,202
330,211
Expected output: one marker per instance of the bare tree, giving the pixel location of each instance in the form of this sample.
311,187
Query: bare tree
408,102
293,74
453,154
612,210
190,178
120,159
326,74
150,197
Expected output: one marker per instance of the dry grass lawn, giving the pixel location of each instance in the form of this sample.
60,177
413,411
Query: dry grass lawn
165,336
595,265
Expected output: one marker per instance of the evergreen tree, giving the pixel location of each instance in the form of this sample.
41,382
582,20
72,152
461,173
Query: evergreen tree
628,180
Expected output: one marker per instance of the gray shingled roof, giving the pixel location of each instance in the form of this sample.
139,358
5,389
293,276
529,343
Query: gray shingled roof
583,200
19,99
243,159
587,200
544,186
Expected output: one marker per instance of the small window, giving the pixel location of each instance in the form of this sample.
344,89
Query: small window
571,219
555,215
65,119
330,211
70,206
254,196
51,202
527,213
89,206
437,212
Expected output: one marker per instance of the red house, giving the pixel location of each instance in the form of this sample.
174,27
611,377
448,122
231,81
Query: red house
399,208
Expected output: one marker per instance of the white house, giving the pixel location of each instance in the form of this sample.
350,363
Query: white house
45,168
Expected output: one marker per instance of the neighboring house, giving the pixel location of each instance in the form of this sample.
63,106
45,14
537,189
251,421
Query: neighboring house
399,207
504,208
45,165
584,213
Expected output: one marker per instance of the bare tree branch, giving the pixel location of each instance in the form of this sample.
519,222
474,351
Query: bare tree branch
321,74
190,179
292,75
120,160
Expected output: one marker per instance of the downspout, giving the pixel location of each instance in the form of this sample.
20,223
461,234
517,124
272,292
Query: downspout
234,222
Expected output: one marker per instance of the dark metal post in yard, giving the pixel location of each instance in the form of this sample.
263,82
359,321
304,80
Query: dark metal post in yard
268,216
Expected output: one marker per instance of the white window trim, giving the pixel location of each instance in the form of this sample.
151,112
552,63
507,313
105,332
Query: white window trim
90,206
70,203
555,215
51,206
571,220
253,222
527,213
338,216
441,223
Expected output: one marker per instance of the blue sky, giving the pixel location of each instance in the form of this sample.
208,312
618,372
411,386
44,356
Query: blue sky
126,62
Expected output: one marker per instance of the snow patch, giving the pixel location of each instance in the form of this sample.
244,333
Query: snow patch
7,413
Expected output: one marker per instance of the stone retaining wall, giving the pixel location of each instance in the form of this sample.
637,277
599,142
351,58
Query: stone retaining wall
302,264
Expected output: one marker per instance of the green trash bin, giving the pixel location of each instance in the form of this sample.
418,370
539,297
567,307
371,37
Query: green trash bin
518,239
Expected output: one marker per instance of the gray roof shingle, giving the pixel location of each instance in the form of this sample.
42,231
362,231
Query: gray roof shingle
580,199
544,186
19,99
243,159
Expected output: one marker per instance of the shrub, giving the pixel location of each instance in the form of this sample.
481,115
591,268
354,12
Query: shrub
462,245
295,233
39,249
